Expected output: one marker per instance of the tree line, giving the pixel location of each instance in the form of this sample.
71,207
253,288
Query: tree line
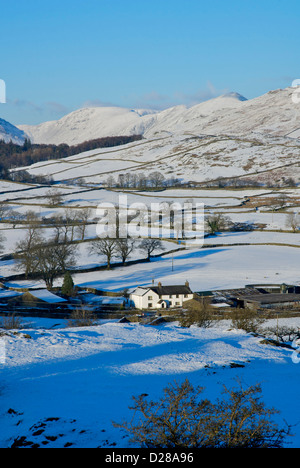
154,180
13,155
263,180
50,256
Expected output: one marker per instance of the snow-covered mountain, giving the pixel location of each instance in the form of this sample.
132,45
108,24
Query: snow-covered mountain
88,124
96,122
274,114
9,132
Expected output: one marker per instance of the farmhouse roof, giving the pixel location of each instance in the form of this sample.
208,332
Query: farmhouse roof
140,291
161,290
171,290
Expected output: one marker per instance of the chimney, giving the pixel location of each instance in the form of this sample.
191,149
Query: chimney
159,285
187,284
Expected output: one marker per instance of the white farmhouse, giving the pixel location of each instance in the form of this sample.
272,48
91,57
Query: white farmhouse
161,297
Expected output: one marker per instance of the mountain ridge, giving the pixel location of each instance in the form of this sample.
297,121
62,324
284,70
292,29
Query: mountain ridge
9,132
273,113
96,122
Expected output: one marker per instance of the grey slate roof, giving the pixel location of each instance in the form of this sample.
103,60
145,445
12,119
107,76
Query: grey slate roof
171,290
164,290
272,298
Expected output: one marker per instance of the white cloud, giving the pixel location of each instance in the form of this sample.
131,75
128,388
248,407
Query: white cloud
158,101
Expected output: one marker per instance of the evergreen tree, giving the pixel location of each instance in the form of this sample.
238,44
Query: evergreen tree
68,285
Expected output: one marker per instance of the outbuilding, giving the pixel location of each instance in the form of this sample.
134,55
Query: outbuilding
269,301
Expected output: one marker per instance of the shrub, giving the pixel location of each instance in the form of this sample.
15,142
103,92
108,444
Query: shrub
196,313
180,419
82,318
11,322
248,320
283,334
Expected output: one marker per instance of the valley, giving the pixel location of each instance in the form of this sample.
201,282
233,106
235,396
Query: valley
249,177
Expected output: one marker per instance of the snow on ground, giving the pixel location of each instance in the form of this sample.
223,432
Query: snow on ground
181,155
85,378
95,371
254,237
273,113
205,269
65,385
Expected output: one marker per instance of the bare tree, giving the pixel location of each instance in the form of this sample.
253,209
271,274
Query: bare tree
83,217
15,217
65,225
38,256
124,248
2,242
142,181
278,203
71,217
121,180
54,197
292,221
33,237
151,245
110,182
62,229
282,201
53,259
216,223
157,179
106,247
3,210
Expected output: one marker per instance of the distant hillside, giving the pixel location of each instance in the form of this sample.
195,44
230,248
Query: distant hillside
15,155
273,114
9,132
89,124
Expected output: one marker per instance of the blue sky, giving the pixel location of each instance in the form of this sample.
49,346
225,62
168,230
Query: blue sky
58,56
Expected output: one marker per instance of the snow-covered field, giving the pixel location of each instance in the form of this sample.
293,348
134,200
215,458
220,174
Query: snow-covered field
206,269
66,386
179,156
63,386
213,268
